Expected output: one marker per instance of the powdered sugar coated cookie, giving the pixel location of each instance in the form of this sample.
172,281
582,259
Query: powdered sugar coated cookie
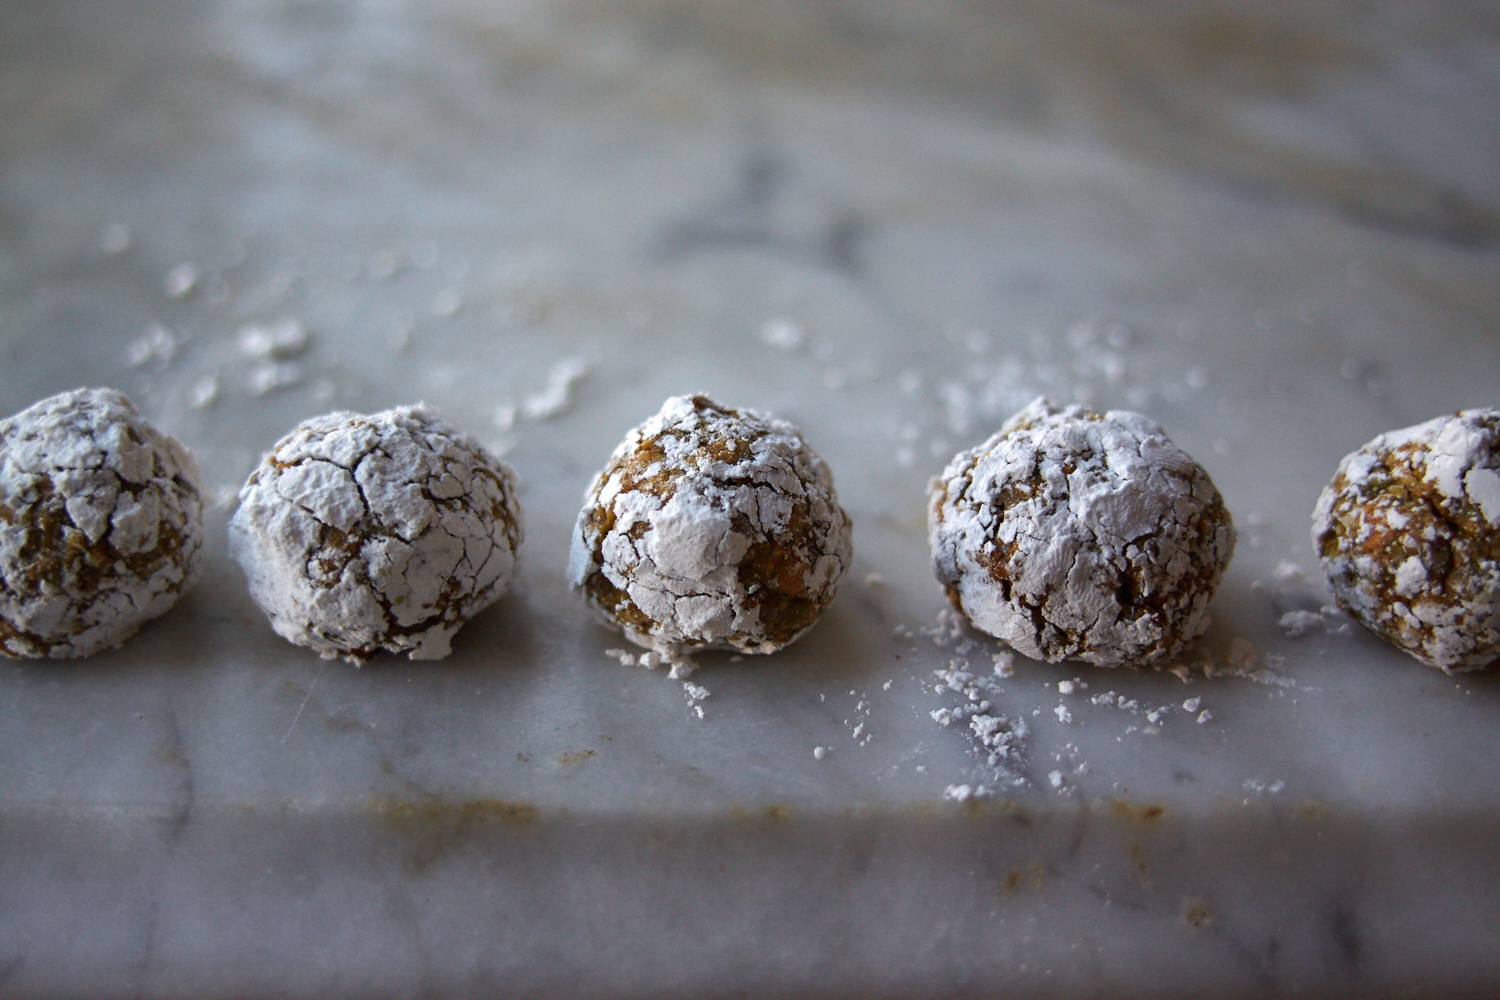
1409,535
384,532
1071,534
711,528
101,524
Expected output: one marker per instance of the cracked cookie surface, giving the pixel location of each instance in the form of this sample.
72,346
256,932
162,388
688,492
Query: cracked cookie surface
359,534
711,528
1075,535
101,524
1408,532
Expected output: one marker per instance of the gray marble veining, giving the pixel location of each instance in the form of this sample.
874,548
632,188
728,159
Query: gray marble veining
1272,228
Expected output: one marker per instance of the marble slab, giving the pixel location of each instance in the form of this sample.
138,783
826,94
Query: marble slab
1271,227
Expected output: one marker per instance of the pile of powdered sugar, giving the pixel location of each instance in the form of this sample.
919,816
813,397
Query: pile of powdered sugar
1075,535
972,694
1003,738
362,533
711,528
101,524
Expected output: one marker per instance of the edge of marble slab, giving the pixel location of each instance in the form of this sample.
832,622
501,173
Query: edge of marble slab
460,900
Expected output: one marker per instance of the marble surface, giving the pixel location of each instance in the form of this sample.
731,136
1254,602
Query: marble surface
1273,228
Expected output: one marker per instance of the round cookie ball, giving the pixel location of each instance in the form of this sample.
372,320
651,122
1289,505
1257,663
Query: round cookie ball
101,524
711,528
385,532
1074,535
1409,535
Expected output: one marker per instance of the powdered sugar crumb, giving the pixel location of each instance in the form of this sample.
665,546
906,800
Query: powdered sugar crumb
179,281
965,793
782,335
1264,786
554,398
156,343
279,341
1287,571
1299,623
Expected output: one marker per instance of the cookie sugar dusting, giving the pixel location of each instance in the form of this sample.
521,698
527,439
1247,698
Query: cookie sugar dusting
1074,535
711,528
1409,535
101,524
384,532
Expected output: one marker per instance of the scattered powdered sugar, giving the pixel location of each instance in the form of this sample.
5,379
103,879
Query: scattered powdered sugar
1299,623
965,793
1002,738
556,396
695,693
1155,715
101,524
948,631
1090,359
783,335
287,338
271,347
204,392
1269,677
679,666
858,725
266,378
1242,660
552,400
179,282
1287,571
157,344
1005,739
1265,786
